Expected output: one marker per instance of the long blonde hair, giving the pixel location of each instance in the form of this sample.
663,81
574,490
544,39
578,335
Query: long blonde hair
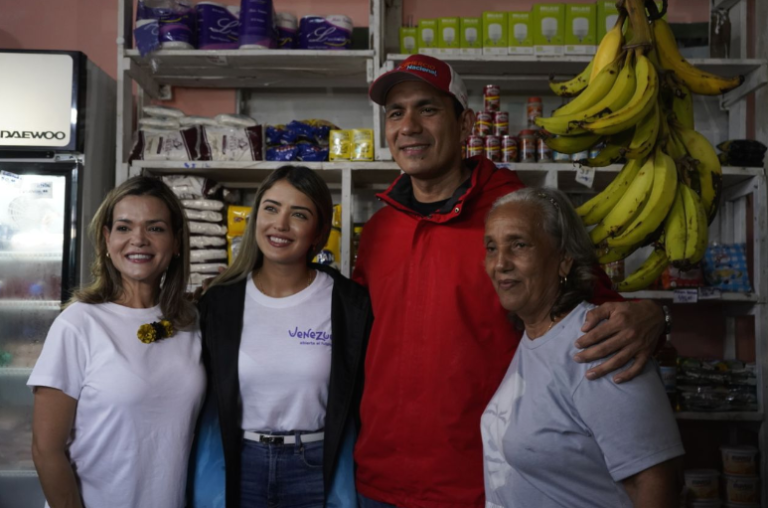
249,256
106,285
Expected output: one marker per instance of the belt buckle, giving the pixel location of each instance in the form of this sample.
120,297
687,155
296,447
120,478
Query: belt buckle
271,439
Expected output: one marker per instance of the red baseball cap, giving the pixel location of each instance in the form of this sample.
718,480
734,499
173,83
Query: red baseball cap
420,68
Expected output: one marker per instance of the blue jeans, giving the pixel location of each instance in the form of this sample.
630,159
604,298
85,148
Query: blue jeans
282,475
366,502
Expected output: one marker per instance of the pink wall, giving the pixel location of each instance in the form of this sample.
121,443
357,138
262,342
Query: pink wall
91,26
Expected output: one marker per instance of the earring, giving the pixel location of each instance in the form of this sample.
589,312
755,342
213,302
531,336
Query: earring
564,280
107,254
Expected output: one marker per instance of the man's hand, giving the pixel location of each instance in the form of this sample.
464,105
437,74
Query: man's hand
629,329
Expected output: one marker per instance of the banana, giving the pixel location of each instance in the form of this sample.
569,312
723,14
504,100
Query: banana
607,255
638,106
620,93
572,144
648,272
698,234
656,207
612,151
573,87
628,207
675,148
645,136
708,170
609,48
698,81
598,207
675,229
596,90
682,106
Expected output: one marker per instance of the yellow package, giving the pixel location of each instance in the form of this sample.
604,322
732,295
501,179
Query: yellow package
340,145
333,245
362,145
237,219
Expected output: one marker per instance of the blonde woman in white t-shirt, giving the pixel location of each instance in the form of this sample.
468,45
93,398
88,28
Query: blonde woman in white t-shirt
284,342
120,380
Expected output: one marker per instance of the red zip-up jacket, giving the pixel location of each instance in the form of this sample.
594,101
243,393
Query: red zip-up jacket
440,345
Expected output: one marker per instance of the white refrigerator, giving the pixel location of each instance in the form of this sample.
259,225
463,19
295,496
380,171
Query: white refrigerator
57,145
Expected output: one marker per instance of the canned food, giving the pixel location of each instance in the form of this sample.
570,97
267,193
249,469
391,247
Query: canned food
500,123
492,97
527,150
508,149
475,146
543,152
493,148
484,123
534,110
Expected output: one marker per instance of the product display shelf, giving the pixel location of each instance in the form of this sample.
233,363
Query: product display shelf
12,255
10,305
15,372
670,295
725,416
251,68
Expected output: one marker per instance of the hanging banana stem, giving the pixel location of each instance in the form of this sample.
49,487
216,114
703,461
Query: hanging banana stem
653,9
641,30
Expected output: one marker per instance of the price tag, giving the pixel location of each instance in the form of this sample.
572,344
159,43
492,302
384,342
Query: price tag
585,176
709,294
685,296
8,177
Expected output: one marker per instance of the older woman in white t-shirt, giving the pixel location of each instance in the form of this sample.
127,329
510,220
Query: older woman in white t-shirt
120,380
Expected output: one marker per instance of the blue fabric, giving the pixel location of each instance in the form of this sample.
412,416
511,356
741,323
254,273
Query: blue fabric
343,493
205,483
366,502
282,476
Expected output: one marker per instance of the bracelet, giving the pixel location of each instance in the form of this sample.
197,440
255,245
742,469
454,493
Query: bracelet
667,319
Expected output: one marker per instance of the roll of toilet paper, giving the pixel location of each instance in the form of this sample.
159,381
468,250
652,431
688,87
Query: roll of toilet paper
330,32
218,27
257,28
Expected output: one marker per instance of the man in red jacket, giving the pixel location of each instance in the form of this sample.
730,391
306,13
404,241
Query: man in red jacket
441,342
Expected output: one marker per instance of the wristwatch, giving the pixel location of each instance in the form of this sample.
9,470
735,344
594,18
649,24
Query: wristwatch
667,319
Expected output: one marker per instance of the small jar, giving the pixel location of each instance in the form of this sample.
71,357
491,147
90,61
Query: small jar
508,149
543,152
534,109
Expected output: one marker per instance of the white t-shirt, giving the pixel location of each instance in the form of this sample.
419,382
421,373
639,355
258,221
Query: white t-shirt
285,358
137,403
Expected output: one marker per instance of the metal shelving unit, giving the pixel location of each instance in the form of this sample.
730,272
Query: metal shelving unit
308,71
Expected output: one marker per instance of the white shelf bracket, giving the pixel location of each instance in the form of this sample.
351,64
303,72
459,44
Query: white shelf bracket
147,83
754,81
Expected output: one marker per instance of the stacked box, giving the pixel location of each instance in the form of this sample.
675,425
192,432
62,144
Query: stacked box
520,33
495,41
580,29
471,36
409,40
428,40
449,36
548,29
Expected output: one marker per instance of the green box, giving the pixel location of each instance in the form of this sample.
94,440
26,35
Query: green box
409,40
607,14
520,33
580,29
549,29
495,36
427,39
471,36
449,36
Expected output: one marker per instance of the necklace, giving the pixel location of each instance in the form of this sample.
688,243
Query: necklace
310,278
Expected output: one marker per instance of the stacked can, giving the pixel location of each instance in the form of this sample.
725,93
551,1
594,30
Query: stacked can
474,146
527,145
491,126
508,149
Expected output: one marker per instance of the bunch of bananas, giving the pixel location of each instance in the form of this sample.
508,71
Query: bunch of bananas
635,99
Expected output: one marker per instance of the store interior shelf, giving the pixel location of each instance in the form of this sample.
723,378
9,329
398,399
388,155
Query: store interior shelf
29,305
252,68
734,416
22,372
486,66
669,295
24,473
31,256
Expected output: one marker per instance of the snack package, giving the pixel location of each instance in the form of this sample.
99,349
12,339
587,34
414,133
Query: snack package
201,241
233,244
203,204
362,145
237,219
339,145
282,153
725,268
203,215
206,228
311,153
674,278
203,255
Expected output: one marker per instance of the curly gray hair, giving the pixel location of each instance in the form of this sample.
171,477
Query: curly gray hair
564,226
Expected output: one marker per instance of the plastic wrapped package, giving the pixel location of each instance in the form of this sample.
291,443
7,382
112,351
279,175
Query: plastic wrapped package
239,121
187,187
201,242
163,112
725,267
226,143
203,215
188,121
151,123
237,219
203,255
196,279
203,204
211,268
207,228
162,145
233,244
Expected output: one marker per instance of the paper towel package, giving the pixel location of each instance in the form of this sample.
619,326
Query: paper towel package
329,32
217,26
257,28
